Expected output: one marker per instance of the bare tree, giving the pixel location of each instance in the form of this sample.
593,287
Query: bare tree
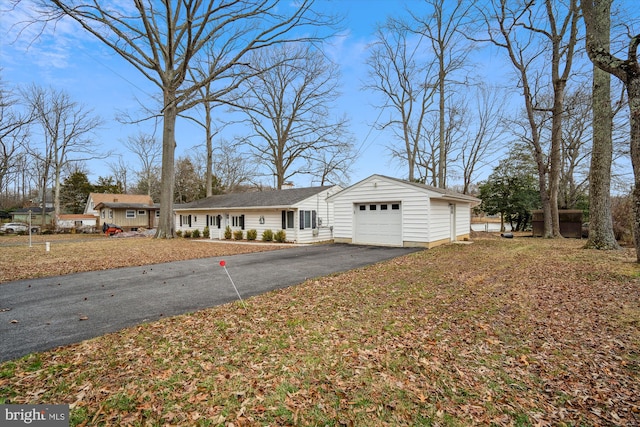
233,168
148,150
120,171
332,166
456,118
576,148
66,130
407,86
14,131
288,106
483,134
527,32
597,19
161,39
441,26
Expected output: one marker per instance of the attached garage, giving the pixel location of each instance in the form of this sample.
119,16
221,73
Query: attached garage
386,211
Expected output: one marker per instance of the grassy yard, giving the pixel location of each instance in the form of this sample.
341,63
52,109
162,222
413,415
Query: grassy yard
24,259
504,332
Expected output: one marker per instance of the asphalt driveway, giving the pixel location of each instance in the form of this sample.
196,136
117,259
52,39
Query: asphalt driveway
41,314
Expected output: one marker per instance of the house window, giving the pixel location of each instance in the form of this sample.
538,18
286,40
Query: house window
363,208
157,214
372,207
142,213
131,214
383,207
395,206
307,219
238,221
110,213
102,214
185,220
287,219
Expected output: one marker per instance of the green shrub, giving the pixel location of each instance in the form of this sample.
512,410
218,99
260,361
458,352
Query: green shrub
252,234
187,234
280,236
195,234
206,233
267,236
238,234
227,233
179,233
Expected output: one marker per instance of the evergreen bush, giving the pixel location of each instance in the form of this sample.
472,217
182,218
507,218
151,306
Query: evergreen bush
267,236
280,236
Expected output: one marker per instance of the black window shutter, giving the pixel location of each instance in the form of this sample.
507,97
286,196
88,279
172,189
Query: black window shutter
313,219
284,220
301,219
207,223
180,220
219,221
242,222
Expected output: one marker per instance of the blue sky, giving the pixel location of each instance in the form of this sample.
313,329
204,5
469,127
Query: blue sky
71,60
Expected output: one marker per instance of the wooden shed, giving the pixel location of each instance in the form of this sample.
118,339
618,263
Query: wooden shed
570,223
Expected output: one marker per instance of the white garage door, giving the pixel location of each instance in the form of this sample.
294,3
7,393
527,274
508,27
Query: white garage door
378,223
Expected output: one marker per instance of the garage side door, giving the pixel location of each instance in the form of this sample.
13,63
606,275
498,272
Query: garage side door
378,224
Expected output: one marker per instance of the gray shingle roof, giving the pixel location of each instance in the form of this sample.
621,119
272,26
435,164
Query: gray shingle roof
271,198
443,191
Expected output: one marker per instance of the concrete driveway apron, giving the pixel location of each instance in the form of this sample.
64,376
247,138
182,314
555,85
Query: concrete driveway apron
41,314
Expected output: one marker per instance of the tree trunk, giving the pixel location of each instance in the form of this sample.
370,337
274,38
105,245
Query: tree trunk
633,92
166,226
209,136
556,161
601,234
442,159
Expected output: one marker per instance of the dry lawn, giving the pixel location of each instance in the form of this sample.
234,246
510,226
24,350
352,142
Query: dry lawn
76,253
500,332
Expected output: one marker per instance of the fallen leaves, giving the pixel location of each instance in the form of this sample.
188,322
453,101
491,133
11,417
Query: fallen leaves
87,253
456,335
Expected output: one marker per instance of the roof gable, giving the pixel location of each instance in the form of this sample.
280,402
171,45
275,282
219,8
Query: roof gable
430,190
256,199
137,199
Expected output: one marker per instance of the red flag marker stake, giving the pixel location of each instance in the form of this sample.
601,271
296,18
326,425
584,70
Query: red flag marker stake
223,264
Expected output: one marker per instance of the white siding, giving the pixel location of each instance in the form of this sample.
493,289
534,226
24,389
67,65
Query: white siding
463,219
414,207
440,220
272,219
325,214
426,217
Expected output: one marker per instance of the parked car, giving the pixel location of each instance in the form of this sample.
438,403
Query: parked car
18,227
111,229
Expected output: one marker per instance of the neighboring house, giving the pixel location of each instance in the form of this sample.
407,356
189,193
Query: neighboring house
303,213
380,210
129,211
35,213
80,222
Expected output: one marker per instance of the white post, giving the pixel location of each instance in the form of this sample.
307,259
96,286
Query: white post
30,228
